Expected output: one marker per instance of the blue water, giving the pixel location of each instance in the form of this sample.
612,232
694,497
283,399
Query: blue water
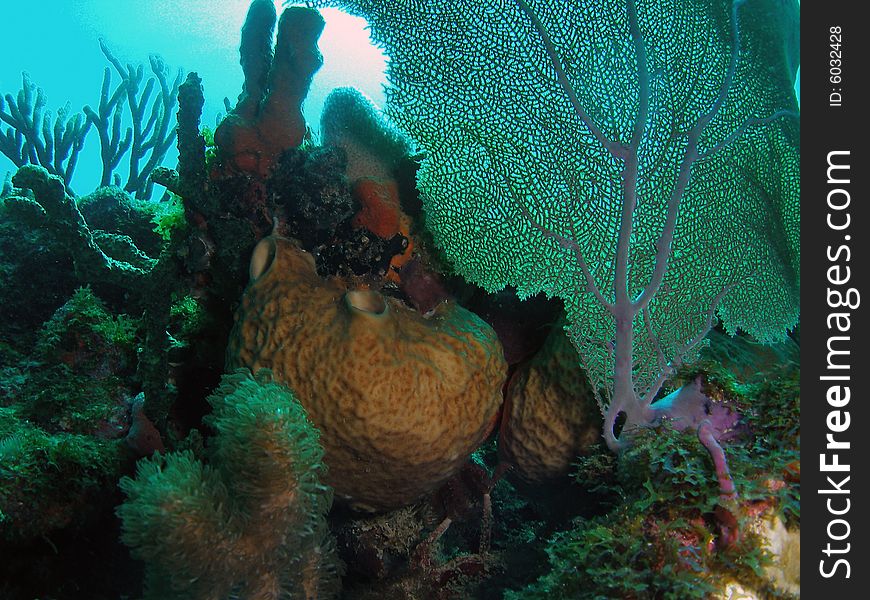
56,42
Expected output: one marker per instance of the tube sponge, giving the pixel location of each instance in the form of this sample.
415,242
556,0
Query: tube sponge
255,56
268,117
249,524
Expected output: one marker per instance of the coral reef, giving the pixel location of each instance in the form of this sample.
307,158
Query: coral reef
118,328
249,523
111,262
401,400
571,202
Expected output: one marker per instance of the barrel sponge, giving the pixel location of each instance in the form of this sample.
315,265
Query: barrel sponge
401,399
550,413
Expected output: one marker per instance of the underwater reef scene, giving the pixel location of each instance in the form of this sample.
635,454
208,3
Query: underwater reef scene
529,331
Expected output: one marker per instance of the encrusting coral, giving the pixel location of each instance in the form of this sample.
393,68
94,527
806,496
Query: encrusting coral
65,406
250,523
56,209
401,399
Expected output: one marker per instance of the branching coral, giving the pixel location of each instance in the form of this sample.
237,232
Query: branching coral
150,134
32,138
249,523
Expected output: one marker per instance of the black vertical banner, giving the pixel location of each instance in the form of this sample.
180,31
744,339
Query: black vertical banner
835,299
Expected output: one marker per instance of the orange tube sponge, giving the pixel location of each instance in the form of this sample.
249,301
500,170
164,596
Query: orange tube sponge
401,400
268,119
281,124
550,415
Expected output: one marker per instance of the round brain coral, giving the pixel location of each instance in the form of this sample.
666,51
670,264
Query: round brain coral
401,400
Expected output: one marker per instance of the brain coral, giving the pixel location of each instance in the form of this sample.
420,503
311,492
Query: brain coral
401,400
